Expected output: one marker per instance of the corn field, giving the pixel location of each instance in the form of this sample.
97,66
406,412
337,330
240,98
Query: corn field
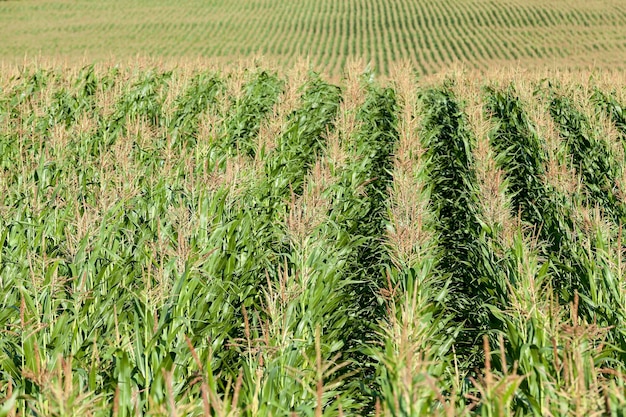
431,34
266,243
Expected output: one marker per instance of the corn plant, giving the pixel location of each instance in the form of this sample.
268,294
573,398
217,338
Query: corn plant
364,211
590,156
610,104
69,104
201,93
260,95
303,138
142,100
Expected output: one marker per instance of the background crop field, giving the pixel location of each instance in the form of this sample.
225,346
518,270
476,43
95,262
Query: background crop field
431,34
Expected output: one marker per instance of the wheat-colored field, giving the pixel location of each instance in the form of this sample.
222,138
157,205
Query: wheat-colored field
431,34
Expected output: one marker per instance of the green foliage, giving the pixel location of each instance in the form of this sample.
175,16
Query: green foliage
301,142
143,100
468,256
260,95
362,211
521,155
138,276
609,104
590,156
201,93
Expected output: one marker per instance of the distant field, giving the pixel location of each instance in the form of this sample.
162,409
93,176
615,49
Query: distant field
431,34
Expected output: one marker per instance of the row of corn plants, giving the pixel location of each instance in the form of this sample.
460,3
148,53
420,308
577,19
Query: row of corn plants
359,212
468,253
201,93
415,363
610,105
590,156
260,95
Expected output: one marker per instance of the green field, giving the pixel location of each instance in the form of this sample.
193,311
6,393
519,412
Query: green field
251,243
431,34
312,208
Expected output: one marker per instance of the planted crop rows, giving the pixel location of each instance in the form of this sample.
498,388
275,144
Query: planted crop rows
430,34
255,243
